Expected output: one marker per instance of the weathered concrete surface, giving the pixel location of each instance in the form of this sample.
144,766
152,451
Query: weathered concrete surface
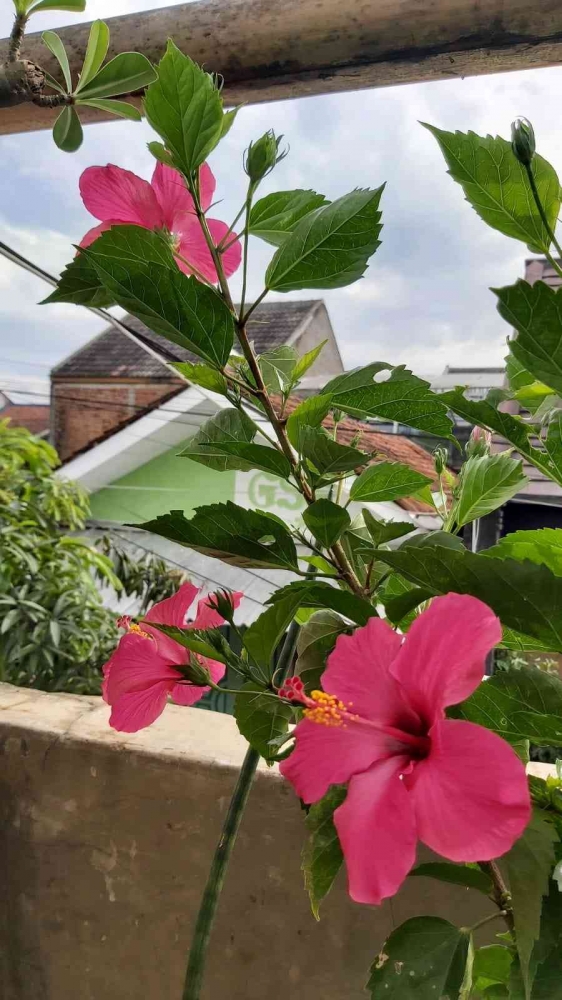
105,843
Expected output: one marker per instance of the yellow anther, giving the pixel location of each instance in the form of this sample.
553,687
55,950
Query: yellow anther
133,627
328,710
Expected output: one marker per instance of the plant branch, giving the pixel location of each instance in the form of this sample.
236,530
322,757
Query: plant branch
486,920
260,298
16,37
501,894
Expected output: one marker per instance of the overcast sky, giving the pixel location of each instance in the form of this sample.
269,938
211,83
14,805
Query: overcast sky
425,299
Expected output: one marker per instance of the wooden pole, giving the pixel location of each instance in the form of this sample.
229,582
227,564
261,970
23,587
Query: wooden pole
271,50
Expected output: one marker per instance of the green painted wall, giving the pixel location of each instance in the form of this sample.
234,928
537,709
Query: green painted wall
165,483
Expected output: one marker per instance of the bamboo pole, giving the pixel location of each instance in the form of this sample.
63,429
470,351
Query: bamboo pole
267,50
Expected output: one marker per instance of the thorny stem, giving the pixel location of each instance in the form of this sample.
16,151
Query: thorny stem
16,37
545,221
501,894
211,895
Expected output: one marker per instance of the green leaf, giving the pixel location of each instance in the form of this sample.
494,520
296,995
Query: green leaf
326,521
51,82
260,719
120,108
487,483
277,367
517,704
540,545
423,959
67,130
492,964
536,313
464,875
202,375
127,72
547,953
184,106
401,599
305,362
54,43
253,456
195,640
230,425
528,866
322,855
79,284
327,457
274,217
513,429
526,598
96,51
330,247
316,594
228,119
517,376
315,642
497,186
387,481
231,533
385,531
138,269
75,6
401,397
310,413
160,153
263,636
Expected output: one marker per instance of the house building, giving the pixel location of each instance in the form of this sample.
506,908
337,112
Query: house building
17,408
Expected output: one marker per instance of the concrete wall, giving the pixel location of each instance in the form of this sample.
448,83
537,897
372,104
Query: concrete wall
105,843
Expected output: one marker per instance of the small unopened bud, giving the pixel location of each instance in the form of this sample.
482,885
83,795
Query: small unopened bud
262,156
440,456
479,443
523,140
195,672
222,602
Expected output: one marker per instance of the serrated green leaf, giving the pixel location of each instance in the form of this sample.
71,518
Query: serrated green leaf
138,269
322,855
231,533
401,397
119,108
536,313
327,457
230,425
274,217
202,375
485,484
542,546
127,72
310,413
330,247
517,376
528,866
315,642
382,532
326,521
184,106
79,284
260,719
464,875
96,51
497,186
546,960
277,367
263,636
248,457
517,704
55,45
385,481
160,153
228,119
492,964
423,959
305,362
316,594
75,6
526,598
67,130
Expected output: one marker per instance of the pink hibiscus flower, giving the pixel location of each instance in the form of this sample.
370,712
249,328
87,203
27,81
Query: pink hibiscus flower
117,197
146,667
380,725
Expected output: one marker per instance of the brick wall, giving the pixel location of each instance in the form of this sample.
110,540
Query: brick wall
83,412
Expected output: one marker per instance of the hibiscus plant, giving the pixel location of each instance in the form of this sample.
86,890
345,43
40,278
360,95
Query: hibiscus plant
364,676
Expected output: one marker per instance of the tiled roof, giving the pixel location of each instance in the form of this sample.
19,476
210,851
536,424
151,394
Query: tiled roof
114,355
34,418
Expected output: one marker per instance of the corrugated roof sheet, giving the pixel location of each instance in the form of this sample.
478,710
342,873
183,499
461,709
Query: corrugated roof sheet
114,355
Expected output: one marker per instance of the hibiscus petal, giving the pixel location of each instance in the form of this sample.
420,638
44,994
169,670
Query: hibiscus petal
377,831
93,234
470,794
172,194
188,694
139,709
193,247
207,617
358,673
113,193
207,185
326,755
137,664
173,611
443,657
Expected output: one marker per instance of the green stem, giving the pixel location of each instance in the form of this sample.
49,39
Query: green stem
221,247
486,920
208,908
545,221
260,298
501,894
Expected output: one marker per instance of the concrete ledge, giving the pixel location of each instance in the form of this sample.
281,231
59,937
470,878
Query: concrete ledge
105,844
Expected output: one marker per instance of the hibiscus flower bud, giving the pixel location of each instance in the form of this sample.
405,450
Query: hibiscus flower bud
523,140
196,673
440,456
479,443
222,602
262,156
